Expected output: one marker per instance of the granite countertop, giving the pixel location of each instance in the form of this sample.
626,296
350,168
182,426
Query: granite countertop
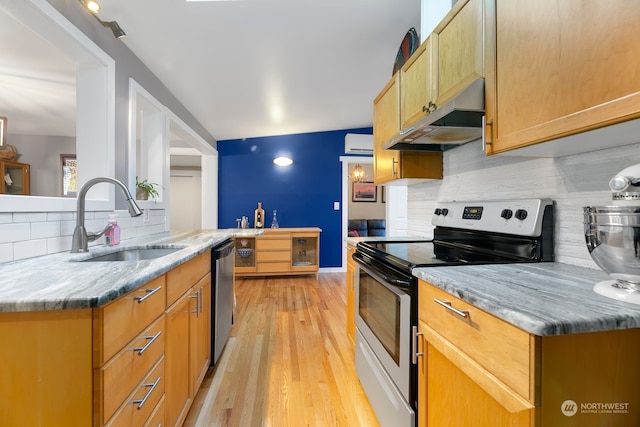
60,281
540,298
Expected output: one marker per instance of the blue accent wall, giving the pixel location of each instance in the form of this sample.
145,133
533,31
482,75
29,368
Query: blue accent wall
303,193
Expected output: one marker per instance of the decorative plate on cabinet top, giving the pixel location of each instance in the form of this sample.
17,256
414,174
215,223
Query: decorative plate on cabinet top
409,45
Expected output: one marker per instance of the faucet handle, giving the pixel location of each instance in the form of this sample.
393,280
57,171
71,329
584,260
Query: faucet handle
94,236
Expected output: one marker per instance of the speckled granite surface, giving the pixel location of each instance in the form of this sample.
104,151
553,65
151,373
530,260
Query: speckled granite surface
540,298
60,281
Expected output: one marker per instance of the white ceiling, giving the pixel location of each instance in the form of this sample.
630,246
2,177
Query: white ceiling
247,68
269,67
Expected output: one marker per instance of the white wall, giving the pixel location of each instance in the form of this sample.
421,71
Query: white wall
572,181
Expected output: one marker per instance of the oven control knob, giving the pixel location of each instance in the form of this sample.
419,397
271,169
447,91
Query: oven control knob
521,214
438,211
506,213
445,211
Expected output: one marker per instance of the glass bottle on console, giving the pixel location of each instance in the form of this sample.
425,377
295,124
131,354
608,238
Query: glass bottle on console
259,216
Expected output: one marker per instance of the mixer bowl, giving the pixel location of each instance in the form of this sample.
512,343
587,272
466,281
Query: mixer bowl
613,239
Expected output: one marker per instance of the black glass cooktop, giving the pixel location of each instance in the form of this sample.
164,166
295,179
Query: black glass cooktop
410,254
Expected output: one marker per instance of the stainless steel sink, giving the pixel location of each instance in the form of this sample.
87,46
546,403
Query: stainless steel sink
133,254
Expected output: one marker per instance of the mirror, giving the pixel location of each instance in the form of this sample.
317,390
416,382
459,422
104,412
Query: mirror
58,92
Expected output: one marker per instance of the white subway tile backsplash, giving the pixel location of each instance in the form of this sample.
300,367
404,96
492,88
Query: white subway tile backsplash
58,244
572,181
26,235
29,249
14,232
6,252
43,230
61,216
29,217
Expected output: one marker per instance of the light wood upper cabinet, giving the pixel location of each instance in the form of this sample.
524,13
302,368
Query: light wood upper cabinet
559,68
390,165
416,85
458,50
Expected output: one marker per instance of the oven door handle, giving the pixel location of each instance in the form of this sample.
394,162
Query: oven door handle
370,266
397,282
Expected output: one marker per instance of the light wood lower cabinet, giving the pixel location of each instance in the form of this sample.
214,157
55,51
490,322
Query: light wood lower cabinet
188,340
132,362
46,368
278,252
351,294
479,370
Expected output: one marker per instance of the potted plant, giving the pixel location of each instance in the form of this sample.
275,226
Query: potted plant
145,190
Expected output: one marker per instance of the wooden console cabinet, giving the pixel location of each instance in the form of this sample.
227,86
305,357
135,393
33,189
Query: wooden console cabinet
279,251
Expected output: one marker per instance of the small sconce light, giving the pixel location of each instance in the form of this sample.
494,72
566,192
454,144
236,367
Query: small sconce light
358,174
283,161
94,7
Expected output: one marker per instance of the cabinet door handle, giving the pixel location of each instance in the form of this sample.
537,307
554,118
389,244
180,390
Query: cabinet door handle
201,292
151,339
414,339
149,293
142,401
197,298
446,304
485,125
432,107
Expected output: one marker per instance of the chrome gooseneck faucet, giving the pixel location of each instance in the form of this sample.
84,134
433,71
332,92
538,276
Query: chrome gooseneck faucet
80,236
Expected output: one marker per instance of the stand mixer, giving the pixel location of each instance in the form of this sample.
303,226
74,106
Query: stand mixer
613,237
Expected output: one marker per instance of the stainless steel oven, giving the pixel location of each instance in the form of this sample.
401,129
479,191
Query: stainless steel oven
485,232
383,360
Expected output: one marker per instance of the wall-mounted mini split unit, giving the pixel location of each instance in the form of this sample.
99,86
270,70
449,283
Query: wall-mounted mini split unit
355,143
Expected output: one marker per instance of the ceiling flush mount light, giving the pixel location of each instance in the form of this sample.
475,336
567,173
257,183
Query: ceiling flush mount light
94,7
283,161
358,174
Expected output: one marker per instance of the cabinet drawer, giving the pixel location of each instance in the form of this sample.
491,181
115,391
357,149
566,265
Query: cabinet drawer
121,374
502,349
268,244
157,417
181,278
274,267
274,256
117,323
141,403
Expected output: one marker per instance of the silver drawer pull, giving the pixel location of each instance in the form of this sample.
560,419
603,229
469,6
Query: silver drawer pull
448,306
146,396
149,293
151,339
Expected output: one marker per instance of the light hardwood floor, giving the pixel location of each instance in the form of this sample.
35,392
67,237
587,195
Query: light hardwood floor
288,361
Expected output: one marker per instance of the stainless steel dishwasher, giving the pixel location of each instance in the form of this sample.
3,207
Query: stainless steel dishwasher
222,261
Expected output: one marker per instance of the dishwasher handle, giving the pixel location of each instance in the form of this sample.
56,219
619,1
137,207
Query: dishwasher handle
224,249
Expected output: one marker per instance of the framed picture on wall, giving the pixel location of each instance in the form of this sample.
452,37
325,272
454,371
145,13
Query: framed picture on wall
364,192
69,167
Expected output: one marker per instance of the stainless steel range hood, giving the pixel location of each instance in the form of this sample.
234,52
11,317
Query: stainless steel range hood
455,123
